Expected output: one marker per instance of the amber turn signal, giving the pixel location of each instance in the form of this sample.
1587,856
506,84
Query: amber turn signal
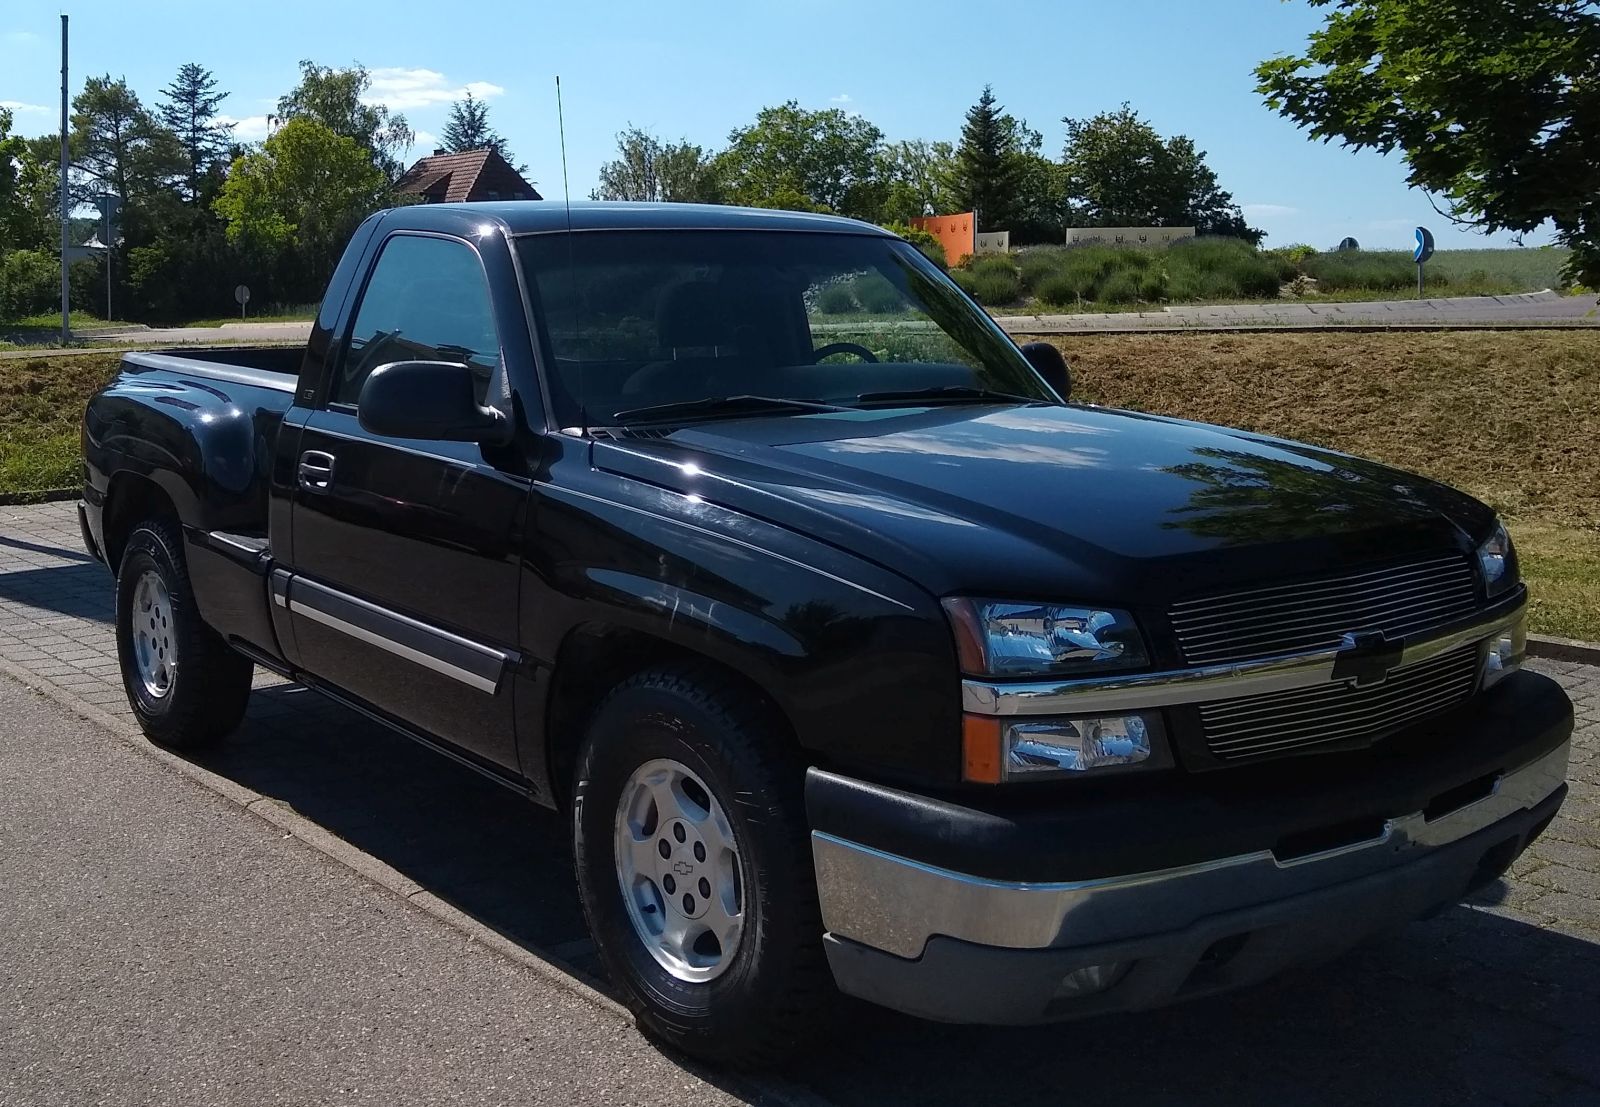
980,749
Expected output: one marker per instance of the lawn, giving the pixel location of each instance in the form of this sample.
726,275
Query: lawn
41,402
1512,418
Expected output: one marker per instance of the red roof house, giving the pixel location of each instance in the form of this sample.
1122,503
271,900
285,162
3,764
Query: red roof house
473,175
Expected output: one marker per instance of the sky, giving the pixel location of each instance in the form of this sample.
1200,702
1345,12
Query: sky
698,70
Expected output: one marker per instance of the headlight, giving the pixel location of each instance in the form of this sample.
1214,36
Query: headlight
999,750
1497,561
1007,639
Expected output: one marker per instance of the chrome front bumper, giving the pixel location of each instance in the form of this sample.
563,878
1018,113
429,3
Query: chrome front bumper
896,905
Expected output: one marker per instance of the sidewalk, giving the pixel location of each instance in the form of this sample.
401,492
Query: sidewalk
1489,1003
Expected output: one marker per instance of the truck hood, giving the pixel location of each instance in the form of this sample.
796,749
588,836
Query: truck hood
1049,502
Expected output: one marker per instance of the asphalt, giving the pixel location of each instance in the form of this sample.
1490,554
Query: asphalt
160,945
1523,309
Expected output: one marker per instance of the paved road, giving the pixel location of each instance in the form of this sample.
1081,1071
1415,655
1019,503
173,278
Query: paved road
148,934
1522,309
1532,307
161,945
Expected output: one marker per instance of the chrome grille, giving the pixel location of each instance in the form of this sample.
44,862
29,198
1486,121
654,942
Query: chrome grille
1290,618
1289,722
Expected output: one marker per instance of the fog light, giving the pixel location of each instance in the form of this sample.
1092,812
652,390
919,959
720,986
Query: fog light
1506,652
1090,979
1072,746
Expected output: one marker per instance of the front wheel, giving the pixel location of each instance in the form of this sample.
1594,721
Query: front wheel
694,866
186,686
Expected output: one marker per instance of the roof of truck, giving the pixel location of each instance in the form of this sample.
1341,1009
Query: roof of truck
528,217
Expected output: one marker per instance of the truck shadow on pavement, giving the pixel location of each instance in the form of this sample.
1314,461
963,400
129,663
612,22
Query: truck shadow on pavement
1470,1007
79,590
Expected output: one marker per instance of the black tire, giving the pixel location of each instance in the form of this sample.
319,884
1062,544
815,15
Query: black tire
210,683
767,1002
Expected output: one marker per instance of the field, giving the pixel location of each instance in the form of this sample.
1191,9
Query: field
1218,270
1510,417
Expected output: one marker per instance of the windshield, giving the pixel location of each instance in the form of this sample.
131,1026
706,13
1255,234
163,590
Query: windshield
636,320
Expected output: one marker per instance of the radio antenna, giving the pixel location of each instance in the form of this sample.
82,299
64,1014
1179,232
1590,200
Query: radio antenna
572,274
561,123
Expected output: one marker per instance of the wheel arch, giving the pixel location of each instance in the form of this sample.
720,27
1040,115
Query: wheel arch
594,658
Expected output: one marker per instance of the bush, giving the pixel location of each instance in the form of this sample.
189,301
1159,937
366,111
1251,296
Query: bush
876,295
992,280
1361,269
1121,287
30,284
922,240
836,299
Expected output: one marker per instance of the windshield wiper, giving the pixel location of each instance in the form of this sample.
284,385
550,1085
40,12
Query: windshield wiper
720,405
947,392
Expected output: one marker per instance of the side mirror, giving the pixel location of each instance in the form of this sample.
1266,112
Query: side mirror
434,400
1049,364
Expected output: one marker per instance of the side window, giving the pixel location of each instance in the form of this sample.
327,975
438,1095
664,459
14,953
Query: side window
427,300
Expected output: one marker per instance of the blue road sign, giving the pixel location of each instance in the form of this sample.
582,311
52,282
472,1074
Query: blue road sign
1424,249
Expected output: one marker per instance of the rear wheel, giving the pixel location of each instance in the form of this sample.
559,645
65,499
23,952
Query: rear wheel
694,866
186,686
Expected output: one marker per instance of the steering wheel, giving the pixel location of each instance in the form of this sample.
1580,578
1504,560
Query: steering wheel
844,348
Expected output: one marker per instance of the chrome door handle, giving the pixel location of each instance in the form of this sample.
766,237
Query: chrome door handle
316,471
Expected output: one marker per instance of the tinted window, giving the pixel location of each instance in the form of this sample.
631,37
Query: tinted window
427,301
639,318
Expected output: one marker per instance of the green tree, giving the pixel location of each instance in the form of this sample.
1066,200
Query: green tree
646,168
1118,172
917,177
190,112
1493,106
118,146
307,187
467,128
13,149
805,160
334,98
988,166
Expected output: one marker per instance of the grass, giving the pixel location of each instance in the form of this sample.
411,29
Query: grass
1222,270
1510,417
278,313
41,403
51,320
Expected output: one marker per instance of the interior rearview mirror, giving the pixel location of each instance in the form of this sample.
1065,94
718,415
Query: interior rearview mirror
1049,364
434,400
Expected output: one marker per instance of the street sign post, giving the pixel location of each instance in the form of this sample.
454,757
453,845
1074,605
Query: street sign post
242,295
1423,251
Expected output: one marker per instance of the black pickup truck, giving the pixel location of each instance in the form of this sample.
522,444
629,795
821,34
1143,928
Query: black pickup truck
858,655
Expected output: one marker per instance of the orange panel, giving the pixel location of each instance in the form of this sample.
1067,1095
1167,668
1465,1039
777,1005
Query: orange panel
956,233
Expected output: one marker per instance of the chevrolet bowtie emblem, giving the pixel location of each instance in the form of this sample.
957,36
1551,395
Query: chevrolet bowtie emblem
1366,657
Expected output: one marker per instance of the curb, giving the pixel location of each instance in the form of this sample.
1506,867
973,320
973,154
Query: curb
1563,649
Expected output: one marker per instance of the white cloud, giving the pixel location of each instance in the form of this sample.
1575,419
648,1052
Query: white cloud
427,140
403,89
842,98
252,128
19,38
19,106
1256,211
